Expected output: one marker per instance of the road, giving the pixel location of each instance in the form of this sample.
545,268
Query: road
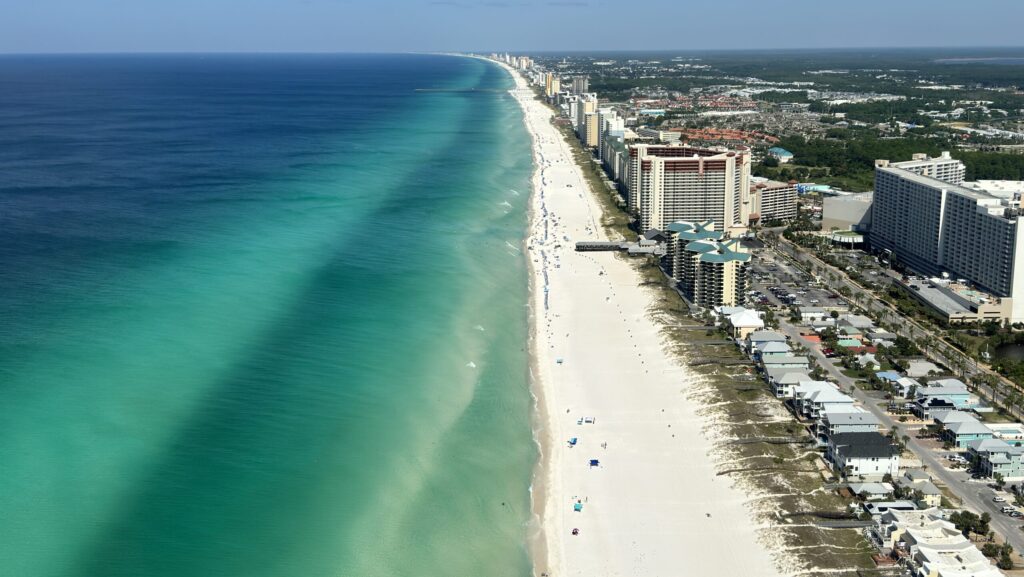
931,344
975,495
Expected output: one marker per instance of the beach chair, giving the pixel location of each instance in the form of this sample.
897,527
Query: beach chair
595,463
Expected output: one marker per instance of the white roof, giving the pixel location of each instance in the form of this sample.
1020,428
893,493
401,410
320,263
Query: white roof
746,319
968,428
829,396
850,418
807,387
920,368
871,488
948,417
785,360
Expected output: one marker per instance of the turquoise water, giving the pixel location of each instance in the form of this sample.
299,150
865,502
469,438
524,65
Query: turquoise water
241,297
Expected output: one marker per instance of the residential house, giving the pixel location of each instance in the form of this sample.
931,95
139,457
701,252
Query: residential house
872,491
991,456
950,390
888,376
774,349
877,508
834,422
926,494
745,322
945,559
782,381
818,402
806,387
868,456
787,362
907,387
944,418
925,407
868,361
960,433
931,545
758,339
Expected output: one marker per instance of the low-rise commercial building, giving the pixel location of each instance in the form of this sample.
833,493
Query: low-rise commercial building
847,212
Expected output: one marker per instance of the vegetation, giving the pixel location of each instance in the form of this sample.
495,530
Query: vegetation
849,162
968,522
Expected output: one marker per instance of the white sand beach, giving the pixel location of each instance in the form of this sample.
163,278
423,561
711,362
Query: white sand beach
654,505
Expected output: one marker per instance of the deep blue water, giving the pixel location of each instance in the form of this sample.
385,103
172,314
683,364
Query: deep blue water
262,316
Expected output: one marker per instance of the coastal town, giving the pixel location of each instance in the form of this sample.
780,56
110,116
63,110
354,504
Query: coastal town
858,324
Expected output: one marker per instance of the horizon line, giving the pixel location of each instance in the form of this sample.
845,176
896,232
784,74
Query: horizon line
517,52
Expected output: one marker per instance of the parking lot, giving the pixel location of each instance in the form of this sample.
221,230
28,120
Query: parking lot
778,283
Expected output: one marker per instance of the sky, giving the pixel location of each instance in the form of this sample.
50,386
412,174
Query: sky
35,26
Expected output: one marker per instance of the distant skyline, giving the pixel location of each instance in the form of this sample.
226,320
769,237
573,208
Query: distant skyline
464,25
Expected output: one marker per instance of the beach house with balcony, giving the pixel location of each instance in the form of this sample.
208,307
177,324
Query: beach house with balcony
991,456
863,456
959,433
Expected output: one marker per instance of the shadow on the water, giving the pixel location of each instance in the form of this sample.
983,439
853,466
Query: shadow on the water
461,90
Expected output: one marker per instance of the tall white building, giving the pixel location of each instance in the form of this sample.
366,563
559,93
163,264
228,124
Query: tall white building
670,183
937,226
608,122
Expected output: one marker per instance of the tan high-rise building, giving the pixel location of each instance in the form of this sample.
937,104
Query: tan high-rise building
709,271
587,104
552,85
682,183
591,129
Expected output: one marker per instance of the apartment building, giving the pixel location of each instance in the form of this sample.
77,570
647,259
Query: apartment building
771,200
580,84
552,85
937,226
590,132
680,234
710,272
682,183
586,104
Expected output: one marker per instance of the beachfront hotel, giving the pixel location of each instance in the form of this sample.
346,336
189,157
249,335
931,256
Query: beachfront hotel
930,220
683,183
772,201
709,271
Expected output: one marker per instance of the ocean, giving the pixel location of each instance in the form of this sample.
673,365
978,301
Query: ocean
262,315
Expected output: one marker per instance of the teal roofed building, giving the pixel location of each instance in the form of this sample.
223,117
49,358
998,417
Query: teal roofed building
680,234
780,154
710,272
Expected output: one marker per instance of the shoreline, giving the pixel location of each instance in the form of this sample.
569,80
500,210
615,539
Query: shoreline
651,505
